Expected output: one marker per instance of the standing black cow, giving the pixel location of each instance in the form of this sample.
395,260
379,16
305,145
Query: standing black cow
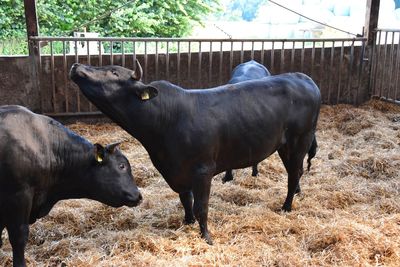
249,70
192,135
42,162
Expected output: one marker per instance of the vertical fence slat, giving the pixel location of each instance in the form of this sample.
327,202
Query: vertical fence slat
111,53
65,77
312,59
87,53
41,74
375,65
340,73
231,58
391,63
53,82
302,57
350,73
221,60
292,56
78,94
146,62
76,50
382,84
242,52
272,57
134,54
123,54
382,66
189,61
178,64
156,61
100,54
360,72
88,62
330,78
199,65
397,69
252,50
262,53
322,65
167,61
210,56
282,65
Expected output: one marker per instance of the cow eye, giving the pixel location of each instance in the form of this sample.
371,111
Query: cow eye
115,73
122,166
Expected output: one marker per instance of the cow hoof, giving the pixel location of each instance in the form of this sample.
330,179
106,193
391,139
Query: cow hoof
227,179
188,221
286,208
208,239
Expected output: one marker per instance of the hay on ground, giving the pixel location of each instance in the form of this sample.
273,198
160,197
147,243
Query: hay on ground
348,213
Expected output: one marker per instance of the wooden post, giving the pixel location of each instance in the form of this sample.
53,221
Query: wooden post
32,29
371,20
370,26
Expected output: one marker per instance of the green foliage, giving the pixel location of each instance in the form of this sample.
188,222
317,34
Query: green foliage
136,18
168,18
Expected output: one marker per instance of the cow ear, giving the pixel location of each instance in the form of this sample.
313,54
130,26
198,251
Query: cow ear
147,93
99,153
138,72
112,147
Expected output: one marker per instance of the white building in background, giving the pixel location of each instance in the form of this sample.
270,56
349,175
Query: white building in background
273,21
81,47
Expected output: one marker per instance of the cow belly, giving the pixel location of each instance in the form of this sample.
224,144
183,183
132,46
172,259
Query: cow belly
246,155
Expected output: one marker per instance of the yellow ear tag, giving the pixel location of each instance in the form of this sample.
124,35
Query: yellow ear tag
145,95
99,158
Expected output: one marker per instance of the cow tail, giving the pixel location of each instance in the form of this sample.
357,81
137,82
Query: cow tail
311,152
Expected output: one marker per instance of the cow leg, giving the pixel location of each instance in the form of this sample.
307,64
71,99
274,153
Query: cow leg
187,203
228,176
201,193
292,156
18,235
255,170
298,189
17,224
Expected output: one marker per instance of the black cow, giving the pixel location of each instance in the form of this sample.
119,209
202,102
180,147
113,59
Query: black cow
42,162
192,135
249,70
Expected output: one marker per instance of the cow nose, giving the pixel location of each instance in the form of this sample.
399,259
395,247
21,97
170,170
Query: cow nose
76,71
133,199
75,66
139,199
72,72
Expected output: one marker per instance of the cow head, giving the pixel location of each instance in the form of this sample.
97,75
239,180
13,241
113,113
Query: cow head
111,84
121,95
110,179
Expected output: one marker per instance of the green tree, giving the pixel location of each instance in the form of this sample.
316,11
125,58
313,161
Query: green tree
168,18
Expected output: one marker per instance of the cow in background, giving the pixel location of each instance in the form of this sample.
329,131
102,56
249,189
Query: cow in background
249,70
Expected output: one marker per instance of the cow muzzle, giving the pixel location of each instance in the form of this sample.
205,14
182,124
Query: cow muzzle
132,200
78,71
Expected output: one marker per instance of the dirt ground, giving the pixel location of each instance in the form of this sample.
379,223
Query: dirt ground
348,213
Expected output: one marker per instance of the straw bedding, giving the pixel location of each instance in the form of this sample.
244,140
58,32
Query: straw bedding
347,214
